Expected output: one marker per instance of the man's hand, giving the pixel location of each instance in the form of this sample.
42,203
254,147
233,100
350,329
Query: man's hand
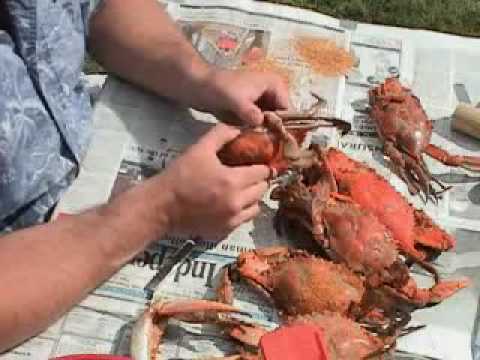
138,41
210,199
239,97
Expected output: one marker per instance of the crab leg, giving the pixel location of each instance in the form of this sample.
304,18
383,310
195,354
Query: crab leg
309,120
467,162
314,122
150,327
399,163
247,334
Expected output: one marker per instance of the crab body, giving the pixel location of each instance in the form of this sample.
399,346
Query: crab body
412,230
342,339
406,131
300,283
352,233
277,143
258,146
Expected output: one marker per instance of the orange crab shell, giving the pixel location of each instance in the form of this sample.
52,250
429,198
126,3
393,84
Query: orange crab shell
350,233
406,131
259,146
357,236
303,284
390,101
375,194
344,338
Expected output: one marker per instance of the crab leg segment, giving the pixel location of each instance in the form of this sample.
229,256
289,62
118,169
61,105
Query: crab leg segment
247,334
467,162
434,295
414,172
149,329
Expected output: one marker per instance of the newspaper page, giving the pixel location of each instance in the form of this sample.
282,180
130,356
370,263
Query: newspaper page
137,135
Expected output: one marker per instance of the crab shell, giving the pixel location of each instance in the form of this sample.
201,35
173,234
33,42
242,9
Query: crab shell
344,338
341,338
413,230
262,146
406,131
400,116
352,234
255,146
300,283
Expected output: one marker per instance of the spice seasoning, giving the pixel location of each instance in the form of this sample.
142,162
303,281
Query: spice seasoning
324,56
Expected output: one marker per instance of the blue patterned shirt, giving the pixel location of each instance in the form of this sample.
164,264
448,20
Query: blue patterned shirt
45,110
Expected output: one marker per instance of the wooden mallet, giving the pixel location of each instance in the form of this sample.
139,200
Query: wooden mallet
466,119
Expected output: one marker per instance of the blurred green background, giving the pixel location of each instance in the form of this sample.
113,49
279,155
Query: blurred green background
453,16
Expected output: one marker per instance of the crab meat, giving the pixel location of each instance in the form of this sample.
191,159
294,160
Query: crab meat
406,132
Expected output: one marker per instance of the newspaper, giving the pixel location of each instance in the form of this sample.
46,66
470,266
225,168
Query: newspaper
137,135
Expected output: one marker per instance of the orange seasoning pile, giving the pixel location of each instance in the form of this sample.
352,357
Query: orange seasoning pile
324,56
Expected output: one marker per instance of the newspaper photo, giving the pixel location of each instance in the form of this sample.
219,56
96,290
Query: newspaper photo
137,135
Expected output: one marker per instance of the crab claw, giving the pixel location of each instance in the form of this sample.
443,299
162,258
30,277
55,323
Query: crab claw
427,234
150,327
467,162
434,295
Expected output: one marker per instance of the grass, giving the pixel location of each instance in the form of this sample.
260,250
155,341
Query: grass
452,16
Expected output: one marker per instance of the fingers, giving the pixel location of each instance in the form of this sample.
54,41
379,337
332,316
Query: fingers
276,94
249,175
248,112
219,136
266,92
245,215
254,193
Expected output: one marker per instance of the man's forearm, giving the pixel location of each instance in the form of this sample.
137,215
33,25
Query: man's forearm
138,41
47,269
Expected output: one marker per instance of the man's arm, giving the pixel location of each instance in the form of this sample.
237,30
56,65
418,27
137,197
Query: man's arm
138,41
47,269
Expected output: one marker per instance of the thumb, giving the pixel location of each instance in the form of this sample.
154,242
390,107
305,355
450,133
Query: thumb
219,135
249,113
